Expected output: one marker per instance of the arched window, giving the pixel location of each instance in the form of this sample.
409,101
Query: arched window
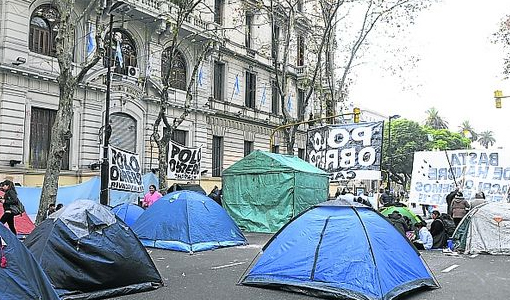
177,77
123,131
128,50
43,30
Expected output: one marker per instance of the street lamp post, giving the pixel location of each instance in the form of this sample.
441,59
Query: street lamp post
107,129
389,150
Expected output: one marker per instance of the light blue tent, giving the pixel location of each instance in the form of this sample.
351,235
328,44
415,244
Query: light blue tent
187,221
89,189
336,250
128,212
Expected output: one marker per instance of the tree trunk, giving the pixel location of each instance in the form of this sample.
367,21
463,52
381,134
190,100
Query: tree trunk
59,135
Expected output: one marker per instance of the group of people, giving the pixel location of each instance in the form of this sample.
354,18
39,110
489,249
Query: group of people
443,225
153,195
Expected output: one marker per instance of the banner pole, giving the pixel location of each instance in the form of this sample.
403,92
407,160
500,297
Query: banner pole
451,169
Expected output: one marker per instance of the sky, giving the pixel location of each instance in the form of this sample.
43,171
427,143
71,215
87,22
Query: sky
458,71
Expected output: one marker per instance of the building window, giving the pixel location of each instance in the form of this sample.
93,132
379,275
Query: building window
41,123
177,76
248,147
123,131
218,11
43,30
180,136
127,48
217,156
276,149
275,96
300,102
301,153
250,91
300,51
275,43
249,30
219,80
299,6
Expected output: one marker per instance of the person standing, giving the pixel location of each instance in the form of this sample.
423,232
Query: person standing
449,199
9,199
152,196
460,208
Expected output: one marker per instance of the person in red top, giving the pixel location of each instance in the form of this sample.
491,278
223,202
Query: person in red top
151,197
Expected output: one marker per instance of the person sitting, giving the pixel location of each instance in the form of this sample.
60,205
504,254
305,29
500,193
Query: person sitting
51,209
398,221
59,206
438,232
424,241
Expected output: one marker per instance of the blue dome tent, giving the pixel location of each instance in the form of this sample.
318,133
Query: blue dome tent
128,212
87,253
187,221
337,250
22,277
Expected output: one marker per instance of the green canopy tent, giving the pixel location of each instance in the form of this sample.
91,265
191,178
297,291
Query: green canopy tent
403,211
263,191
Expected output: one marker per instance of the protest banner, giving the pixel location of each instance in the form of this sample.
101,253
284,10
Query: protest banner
124,170
347,151
184,162
436,173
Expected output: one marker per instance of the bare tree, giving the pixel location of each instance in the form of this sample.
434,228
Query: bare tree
184,9
318,19
502,37
359,21
61,133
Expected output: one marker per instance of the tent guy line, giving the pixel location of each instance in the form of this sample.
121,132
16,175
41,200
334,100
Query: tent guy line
227,266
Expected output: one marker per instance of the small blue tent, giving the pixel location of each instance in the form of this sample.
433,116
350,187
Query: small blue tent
187,221
336,250
22,277
88,254
128,212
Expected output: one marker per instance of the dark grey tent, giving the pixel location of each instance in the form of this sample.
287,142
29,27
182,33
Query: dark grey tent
88,253
21,277
188,187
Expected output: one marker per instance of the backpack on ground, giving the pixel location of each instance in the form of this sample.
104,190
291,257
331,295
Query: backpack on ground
449,225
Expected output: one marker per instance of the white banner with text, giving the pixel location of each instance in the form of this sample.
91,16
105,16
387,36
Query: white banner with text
184,162
436,173
124,170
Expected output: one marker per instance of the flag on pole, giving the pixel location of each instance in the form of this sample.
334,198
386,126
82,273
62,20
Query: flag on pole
149,66
91,41
236,85
200,76
289,103
263,97
118,54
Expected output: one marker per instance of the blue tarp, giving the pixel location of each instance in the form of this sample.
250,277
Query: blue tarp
30,196
341,251
22,278
187,221
87,253
128,212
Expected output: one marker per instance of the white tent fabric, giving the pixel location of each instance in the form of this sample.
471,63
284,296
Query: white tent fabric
75,216
488,229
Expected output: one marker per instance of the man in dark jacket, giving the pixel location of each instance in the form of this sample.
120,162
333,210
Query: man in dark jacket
437,229
398,221
449,199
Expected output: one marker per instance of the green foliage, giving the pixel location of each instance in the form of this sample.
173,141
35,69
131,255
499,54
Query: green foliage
434,120
444,139
407,137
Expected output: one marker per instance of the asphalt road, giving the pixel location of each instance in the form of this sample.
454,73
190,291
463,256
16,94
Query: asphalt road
214,275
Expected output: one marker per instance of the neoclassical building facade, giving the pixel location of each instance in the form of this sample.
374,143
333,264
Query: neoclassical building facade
234,107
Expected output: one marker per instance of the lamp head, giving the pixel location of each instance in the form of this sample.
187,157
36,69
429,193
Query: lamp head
394,117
